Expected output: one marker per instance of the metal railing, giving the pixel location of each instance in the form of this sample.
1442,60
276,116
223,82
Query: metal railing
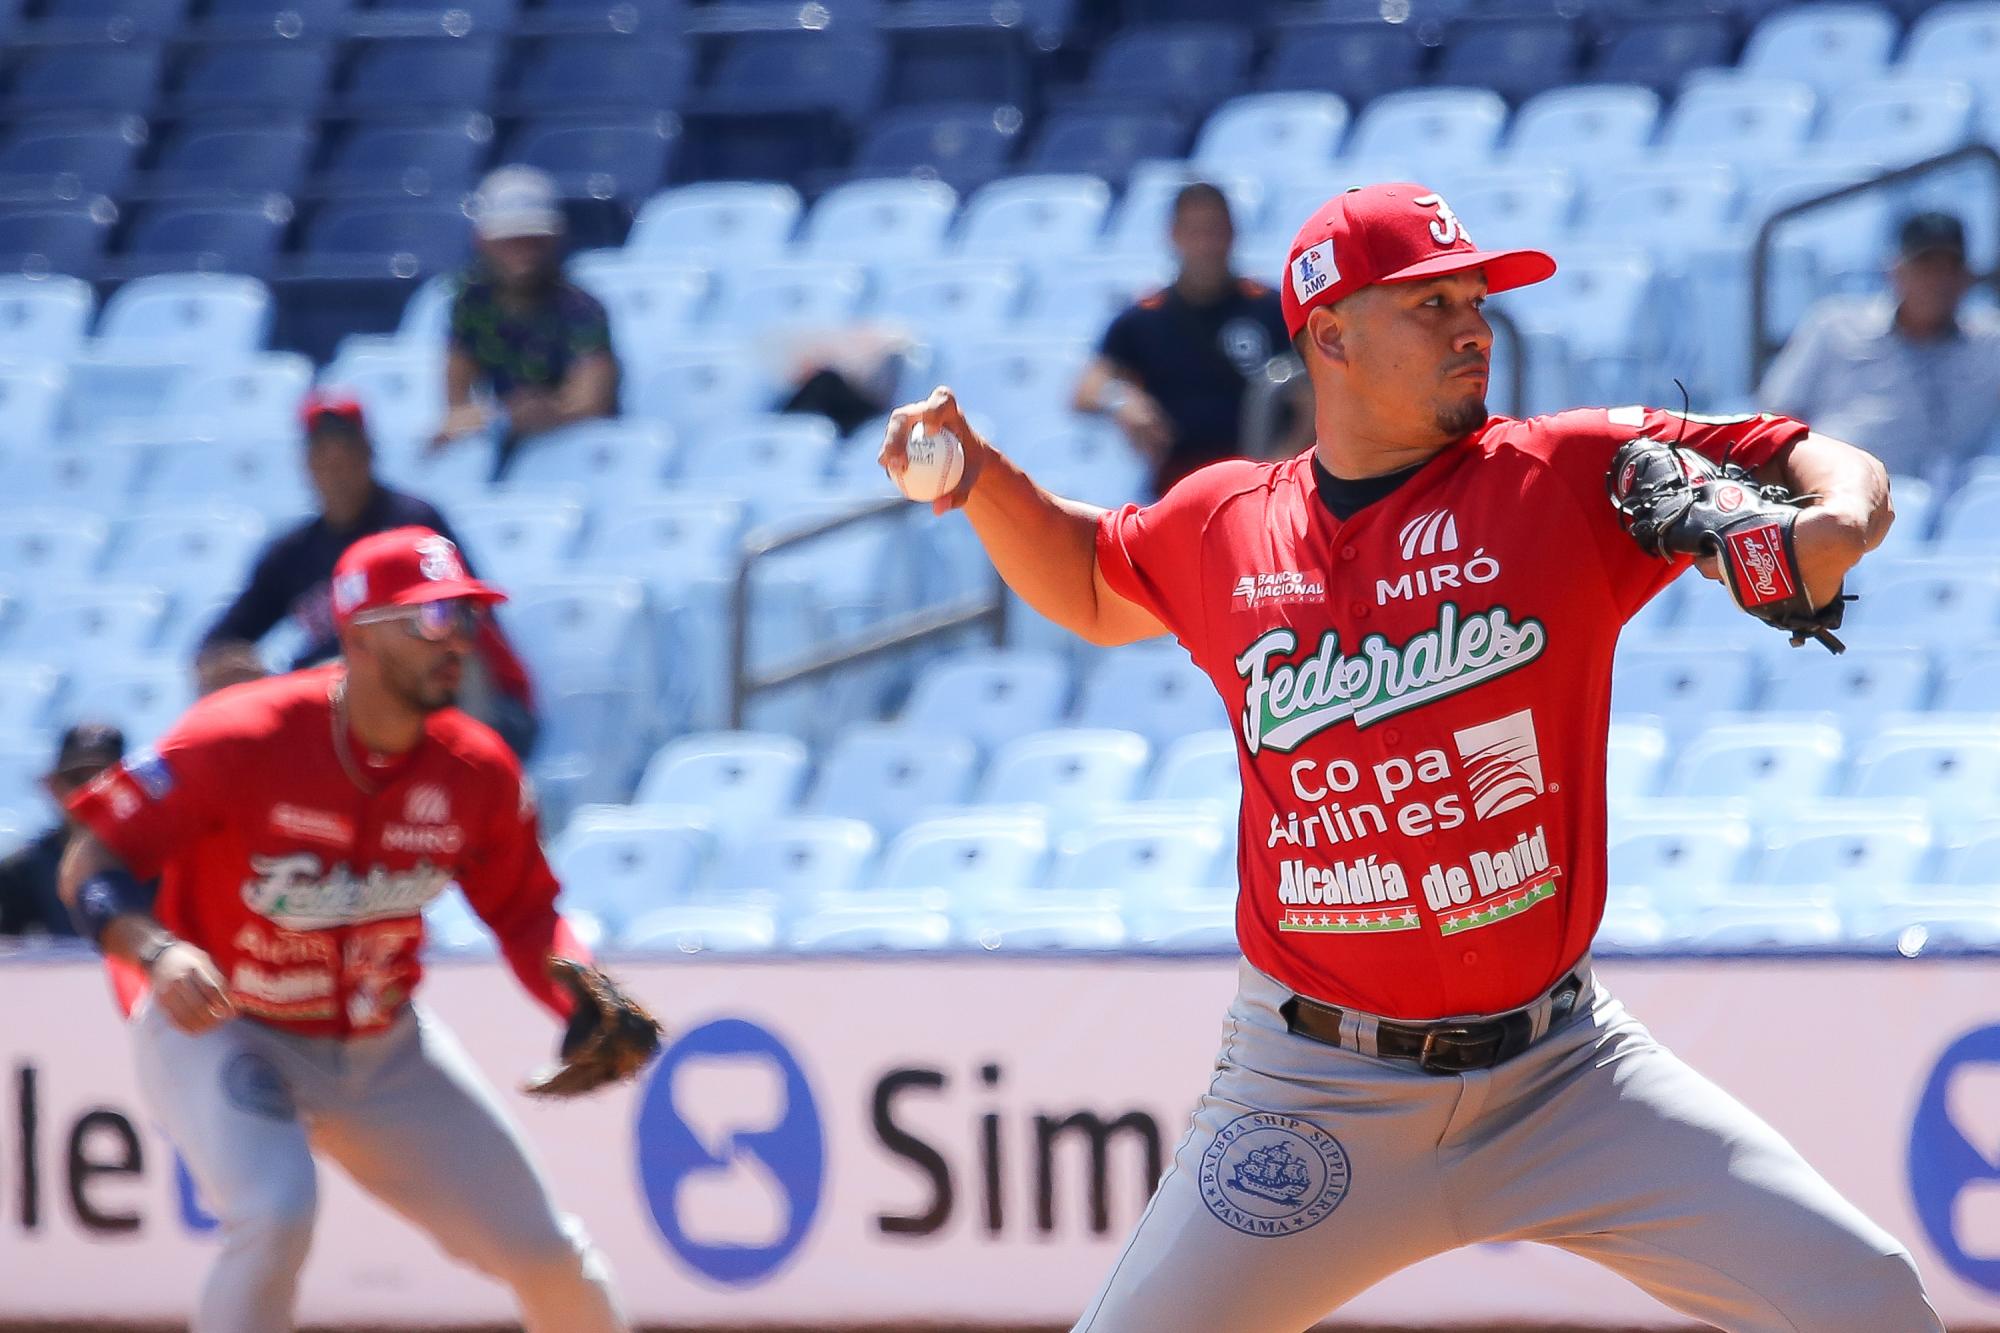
892,636
1763,347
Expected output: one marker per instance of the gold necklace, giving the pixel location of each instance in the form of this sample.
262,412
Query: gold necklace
336,694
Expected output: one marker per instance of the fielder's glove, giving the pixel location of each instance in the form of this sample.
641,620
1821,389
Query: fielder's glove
610,1035
1675,502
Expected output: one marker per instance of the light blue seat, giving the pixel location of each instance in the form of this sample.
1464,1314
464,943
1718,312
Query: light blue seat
786,296
1631,923
1914,922
197,549
761,454
1071,770
1034,217
1665,208
1151,688
1680,688
27,688
796,860
1971,518
1584,128
519,537
648,300
1972,858
1445,127
1145,847
1743,121
263,474
1145,211
31,403
738,221
951,297
1866,681
1957,41
426,317
1836,247
102,479
1016,379
1941,603
1771,765
1955,771
743,780
203,317
94,622
1917,507
1602,310
51,542
1077,296
622,862
883,774
614,461
871,923
879,221
1898,120
1852,853
1034,923
694,386
1636,759
1199,766
1725,928
1521,206
1272,134
693,928
44,316
1830,46
967,856
143,698
669,540
401,391
1190,927
255,399
451,926
990,697
1681,854
1968,675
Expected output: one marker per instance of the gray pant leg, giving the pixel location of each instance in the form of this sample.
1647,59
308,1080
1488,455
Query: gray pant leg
424,1133
1606,1144
227,1108
1309,1174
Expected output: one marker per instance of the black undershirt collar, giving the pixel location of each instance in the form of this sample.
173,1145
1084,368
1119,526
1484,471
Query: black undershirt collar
1346,498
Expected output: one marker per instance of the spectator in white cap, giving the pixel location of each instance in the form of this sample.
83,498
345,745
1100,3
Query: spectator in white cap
529,350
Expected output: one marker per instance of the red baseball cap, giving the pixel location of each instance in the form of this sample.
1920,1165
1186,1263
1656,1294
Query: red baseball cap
402,567
323,405
1401,232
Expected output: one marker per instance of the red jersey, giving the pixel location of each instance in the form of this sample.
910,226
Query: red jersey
305,889
1421,696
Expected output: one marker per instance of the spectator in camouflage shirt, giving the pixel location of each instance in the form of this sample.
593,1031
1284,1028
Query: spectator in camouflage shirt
529,350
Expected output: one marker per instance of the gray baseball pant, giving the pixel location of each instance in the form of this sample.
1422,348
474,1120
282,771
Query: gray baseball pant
406,1115
1311,1172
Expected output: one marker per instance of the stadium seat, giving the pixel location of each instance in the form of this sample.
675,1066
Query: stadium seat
1152,689
796,294
1681,856
800,72
254,79
120,78
410,76
1200,766
401,240
1184,67
1971,859
196,548
741,222
696,386
621,159
1630,923
1069,770
1140,851
1601,308
868,923
1145,212
254,401
1954,773
66,161
1272,134
967,856
102,480
1865,682
402,393
96,622
239,20
186,316
1914,923
622,862
1678,688
879,221
1583,127
27,688
1738,120
1898,121
616,461
989,697
1192,927
519,537
795,861
1666,209
1077,297
693,928
1934,603
440,158
1770,765
1956,41
451,927
1442,127
1781,927
883,775
144,699
1968,676
1661,52
105,20
742,781
761,453
568,75
1034,216
40,241
1635,760
433,18
44,316
951,296
962,144
1971,518
1106,144
50,542
1017,379
262,473
673,538
1362,61
1516,57
589,644
1520,206
1853,854
242,239
650,301
22,764
1830,46
1034,923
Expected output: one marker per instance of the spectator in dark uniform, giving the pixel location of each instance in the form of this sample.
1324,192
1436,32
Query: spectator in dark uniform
1172,369
529,350
29,904
292,575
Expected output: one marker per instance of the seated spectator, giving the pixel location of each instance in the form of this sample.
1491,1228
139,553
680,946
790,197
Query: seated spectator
292,575
530,351
1912,377
1173,369
28,901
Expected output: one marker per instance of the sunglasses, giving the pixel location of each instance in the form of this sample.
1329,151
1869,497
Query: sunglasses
433,622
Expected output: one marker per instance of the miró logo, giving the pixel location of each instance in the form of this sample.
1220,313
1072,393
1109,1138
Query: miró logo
732,1156
1428,534
1422,539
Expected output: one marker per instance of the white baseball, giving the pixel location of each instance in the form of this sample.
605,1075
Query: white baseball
936,462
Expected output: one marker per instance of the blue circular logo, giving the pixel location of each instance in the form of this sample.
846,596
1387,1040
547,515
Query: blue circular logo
731,1154
1273,1175
1951,1159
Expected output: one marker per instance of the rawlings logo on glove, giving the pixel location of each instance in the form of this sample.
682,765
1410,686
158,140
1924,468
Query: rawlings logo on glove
1672,501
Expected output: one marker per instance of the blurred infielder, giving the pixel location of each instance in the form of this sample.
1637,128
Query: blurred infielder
1412,625
297,826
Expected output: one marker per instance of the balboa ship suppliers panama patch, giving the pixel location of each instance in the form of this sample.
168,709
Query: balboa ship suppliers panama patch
1267,1174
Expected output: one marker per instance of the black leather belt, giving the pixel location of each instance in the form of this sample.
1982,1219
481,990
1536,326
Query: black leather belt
1451,1047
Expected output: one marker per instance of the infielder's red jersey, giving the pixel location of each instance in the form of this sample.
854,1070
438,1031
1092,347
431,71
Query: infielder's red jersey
1421,696
305,890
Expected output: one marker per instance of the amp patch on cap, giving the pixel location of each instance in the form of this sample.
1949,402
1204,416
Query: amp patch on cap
1313,272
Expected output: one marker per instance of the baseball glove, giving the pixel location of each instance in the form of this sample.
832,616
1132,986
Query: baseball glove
1675,502
610,1036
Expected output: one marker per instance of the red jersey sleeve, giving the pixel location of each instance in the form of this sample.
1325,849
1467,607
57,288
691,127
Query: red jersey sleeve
1152,556
159,800
508,883
1578,446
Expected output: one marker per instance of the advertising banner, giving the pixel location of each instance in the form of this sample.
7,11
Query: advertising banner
962,1139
